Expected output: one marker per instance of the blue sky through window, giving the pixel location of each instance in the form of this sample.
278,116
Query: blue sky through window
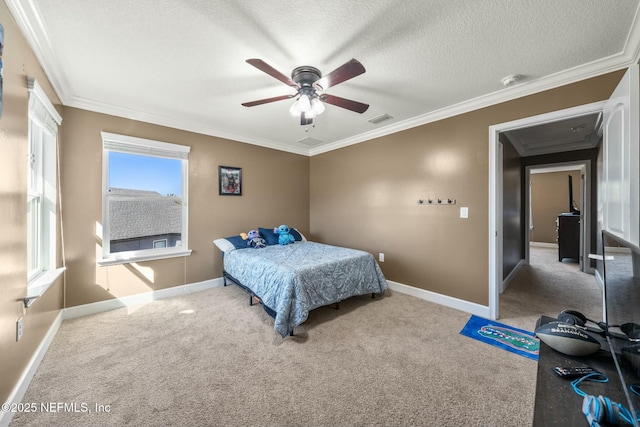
138,172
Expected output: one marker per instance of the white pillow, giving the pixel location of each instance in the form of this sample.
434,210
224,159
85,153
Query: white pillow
224,245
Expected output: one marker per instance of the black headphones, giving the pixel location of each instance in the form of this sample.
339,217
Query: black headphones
631,330
572,317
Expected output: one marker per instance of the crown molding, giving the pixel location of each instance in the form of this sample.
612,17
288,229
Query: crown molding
186,125
593,69
29,20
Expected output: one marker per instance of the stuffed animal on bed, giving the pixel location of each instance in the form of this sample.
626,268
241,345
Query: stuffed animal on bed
255,241
284,238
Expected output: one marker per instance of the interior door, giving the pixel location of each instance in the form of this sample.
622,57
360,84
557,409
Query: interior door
620,186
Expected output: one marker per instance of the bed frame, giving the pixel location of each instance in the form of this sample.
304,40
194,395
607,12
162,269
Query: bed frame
254,298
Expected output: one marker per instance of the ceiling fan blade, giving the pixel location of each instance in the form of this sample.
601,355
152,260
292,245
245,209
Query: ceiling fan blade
264,67
344,72
356,106
267,100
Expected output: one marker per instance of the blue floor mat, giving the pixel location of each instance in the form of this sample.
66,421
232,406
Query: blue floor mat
502,336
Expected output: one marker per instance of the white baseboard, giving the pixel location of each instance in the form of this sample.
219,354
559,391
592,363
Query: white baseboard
458,304
599,279
143,298
544,245
85,310
27,375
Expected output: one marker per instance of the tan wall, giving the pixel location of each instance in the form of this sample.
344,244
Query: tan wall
19,62
549,198
362,196
275,190
365,195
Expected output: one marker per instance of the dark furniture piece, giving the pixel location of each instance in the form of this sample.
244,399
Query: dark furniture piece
556,403
568,236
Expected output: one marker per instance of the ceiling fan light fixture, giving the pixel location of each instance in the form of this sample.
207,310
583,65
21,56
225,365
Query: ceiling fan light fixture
301,105
310,106
304,103
295,109
317,106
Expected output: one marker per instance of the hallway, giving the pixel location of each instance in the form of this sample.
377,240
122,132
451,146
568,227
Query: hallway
547,287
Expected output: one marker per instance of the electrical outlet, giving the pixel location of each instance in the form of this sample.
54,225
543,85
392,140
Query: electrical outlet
19,329
381,257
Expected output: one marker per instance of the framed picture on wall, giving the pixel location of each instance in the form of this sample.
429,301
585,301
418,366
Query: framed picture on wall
229,181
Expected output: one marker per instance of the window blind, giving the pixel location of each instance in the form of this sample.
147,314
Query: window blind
41,110
145,147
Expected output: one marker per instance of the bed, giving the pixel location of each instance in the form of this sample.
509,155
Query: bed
291,280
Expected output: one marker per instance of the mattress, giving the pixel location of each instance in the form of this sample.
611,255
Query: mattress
293,279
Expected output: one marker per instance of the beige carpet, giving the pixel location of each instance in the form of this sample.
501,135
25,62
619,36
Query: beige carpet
209,359
547,286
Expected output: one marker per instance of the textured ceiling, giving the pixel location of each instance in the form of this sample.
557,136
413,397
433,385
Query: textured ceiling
182,63
576,133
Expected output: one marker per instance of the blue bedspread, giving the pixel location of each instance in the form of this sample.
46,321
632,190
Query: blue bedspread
296,278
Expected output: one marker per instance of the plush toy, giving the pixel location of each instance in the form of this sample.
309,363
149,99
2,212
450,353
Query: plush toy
255,241
284,238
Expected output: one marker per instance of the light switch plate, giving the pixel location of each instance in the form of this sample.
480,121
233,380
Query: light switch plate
464,212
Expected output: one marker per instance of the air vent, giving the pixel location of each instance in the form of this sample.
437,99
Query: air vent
310,141
379,119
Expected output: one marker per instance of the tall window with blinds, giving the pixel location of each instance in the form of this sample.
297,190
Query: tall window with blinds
145,199
41,184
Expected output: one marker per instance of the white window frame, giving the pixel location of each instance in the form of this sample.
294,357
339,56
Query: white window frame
112,142
42,191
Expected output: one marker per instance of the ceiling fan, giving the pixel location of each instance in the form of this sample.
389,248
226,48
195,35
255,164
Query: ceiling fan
309,84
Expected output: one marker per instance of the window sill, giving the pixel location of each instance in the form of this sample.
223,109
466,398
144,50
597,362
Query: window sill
38,286
126,259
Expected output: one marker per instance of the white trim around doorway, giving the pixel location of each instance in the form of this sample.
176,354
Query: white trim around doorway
495,184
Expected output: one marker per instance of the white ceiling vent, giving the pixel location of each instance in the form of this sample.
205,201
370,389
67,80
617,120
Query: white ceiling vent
310,141
379,119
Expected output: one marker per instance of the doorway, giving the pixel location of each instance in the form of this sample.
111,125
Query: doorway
496,177
541,213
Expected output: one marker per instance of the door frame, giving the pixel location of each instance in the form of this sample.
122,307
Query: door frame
495,185
585,190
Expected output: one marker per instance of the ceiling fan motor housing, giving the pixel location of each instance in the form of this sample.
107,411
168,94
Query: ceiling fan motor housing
306,76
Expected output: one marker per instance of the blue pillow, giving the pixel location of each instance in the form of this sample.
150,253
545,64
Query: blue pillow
268,235
297,236
237,241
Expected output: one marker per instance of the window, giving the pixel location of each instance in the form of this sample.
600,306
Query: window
42,190
144,199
